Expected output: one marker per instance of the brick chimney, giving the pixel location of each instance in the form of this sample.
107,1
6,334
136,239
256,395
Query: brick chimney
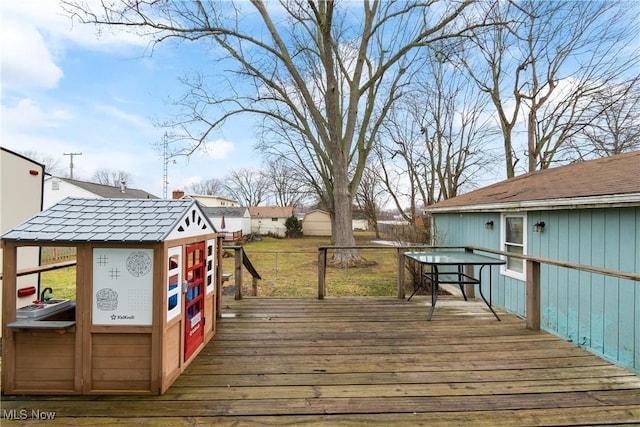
178,194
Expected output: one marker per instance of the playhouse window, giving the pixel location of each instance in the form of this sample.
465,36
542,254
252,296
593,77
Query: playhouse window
174,280
514,240
211,263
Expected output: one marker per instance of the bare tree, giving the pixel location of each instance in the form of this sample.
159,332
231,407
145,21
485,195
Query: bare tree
327,71
615,128
454,124
209,187
286,185
247,186
404,170
436,141
51,164
548,58
114,178
371,196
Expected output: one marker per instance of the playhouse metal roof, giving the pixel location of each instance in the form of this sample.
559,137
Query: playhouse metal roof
107,220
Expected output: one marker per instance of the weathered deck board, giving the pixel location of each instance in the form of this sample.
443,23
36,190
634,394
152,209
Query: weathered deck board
369,361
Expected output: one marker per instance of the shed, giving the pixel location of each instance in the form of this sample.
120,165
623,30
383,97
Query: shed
147,288
586,213
316,223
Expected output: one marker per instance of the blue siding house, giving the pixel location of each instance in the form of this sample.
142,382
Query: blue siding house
585,213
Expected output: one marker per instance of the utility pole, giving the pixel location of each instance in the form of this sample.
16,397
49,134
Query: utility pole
71,162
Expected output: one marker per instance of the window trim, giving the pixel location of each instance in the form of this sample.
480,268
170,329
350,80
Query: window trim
504,269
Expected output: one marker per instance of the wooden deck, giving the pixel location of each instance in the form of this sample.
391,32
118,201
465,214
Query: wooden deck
368,361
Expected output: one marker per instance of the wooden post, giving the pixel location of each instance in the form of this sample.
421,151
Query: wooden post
254,282
470,290
9,289
322,269
219,243
533,295
401,263
238,271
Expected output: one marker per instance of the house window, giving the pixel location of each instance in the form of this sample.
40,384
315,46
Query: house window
514,240
274,219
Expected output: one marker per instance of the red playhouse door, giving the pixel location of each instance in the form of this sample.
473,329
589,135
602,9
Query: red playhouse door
194,306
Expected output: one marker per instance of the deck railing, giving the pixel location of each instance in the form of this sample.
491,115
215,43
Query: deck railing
533,316
232,236
241,259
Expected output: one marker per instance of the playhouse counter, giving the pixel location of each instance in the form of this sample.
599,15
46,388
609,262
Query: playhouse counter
41,324
61,320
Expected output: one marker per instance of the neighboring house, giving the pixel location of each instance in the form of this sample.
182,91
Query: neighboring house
270,219
206,200
360,221
316,223
57,189
21,182
585,213
230,219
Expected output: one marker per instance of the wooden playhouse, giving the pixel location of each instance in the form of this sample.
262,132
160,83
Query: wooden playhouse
147,292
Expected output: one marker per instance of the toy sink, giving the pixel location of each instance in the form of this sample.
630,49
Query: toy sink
42,309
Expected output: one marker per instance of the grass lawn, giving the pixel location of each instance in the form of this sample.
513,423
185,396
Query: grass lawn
289,267
62,281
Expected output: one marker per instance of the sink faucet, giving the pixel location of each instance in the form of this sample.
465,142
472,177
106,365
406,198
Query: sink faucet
45,291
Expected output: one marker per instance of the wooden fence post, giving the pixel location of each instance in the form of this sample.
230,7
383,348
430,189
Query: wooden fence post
322,268
238,271
219,252
533,295
401,260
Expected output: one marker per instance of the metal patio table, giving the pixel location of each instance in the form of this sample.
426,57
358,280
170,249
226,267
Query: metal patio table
440,272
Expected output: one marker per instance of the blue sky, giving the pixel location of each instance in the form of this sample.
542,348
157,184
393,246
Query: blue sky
64,90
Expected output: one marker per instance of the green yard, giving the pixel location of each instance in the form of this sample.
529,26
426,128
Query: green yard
289,267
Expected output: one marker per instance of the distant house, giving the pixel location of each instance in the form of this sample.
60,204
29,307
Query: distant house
21,182
360,221
270,219
230,221
586,213
316,223
207,200
57,189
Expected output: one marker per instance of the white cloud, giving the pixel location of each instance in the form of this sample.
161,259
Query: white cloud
28,115
219,149
35,34
120,115
26,60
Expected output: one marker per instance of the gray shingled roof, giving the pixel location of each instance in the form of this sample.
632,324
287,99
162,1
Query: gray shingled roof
107,220
229,212
110,191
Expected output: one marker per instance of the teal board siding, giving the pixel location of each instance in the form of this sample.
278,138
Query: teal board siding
594,311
